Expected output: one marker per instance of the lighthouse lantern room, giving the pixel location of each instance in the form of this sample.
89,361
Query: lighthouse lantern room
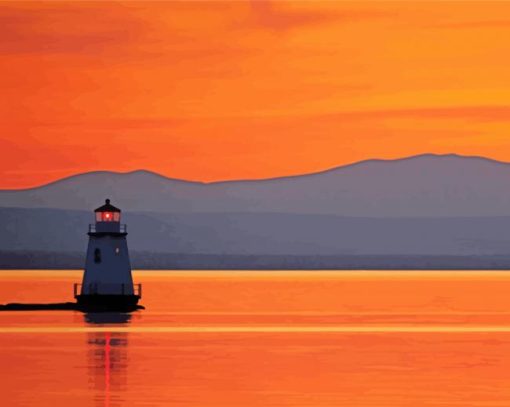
107,281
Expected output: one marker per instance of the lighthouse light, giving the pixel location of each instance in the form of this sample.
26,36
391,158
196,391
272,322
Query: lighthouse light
107,217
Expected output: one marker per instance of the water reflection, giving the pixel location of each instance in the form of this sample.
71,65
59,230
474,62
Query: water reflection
107,318
107,358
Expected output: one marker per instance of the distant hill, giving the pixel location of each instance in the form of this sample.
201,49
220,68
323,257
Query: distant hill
421,186
427,211
262,234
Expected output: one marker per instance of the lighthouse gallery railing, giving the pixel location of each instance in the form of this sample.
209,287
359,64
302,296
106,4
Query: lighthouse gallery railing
119,289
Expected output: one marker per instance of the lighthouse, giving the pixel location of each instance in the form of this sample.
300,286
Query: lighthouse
107,281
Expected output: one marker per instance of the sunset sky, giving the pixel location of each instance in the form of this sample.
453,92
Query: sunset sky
247,89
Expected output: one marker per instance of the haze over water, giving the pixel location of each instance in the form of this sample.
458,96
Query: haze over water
364,338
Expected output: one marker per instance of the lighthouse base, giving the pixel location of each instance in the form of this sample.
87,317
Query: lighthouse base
108,302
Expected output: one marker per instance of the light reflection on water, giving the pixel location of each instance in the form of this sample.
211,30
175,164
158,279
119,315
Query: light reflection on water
216,339
108,360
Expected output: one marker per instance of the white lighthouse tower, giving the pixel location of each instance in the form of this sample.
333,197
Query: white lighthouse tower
107,281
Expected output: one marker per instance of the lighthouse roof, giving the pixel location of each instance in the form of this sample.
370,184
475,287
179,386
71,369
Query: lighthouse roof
107,207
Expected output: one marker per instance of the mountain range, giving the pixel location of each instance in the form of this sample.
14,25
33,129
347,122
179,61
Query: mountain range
427,205
420,186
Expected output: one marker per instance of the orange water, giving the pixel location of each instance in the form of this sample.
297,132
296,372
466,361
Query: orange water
364,338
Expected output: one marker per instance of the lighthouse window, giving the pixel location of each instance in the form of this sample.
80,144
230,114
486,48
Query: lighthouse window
97,256
117,250
107,216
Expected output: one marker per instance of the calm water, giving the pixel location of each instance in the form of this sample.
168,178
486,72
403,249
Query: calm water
263,339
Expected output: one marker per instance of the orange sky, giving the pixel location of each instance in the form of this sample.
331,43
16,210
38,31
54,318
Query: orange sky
247,89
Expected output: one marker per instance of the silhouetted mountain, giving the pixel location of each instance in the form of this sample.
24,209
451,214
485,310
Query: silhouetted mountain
422,186
440,211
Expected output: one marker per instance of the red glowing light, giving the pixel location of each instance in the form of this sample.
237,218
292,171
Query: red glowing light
107,216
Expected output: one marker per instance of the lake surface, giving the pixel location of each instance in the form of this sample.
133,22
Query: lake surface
364,338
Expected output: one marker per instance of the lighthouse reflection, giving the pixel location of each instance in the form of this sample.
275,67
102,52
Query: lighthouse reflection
107,358
107,318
